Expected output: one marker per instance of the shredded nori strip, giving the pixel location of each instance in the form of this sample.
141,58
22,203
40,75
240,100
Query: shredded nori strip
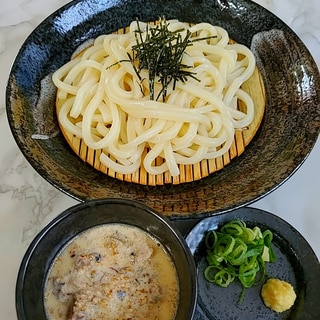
161,53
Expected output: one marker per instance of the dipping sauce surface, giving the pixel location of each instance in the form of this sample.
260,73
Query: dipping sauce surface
112,271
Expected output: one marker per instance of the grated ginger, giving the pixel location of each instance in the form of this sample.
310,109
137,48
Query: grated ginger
278,295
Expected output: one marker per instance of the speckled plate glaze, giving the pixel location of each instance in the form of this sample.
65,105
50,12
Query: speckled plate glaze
296,263
287,134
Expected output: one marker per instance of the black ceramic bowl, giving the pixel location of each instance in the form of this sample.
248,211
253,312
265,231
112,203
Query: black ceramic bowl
49,242
286,136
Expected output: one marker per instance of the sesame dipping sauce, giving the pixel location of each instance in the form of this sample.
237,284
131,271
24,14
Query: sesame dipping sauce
113,271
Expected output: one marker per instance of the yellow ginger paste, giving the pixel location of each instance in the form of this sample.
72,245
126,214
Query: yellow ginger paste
278,295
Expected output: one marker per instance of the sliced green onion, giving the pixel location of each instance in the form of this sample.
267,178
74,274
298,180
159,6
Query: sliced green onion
238,252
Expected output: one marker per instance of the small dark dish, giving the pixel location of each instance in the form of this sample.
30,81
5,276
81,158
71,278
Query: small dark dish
49,242
296,263
287,134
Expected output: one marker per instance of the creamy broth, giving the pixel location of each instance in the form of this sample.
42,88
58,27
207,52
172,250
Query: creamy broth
112,271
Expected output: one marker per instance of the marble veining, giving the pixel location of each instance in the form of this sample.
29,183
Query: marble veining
28,202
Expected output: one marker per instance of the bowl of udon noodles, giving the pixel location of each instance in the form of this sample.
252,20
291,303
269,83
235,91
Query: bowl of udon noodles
107,259
191,107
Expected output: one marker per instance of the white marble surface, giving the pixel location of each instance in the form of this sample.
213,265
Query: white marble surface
28,202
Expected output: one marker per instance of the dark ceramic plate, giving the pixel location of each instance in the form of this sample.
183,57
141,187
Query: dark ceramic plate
296,263
289,130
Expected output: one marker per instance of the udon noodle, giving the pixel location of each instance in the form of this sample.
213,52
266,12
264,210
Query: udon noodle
104,102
